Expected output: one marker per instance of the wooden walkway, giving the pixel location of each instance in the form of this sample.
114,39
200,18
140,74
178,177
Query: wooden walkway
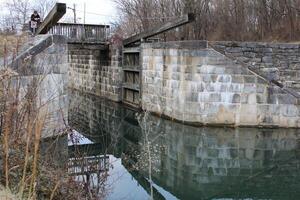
76,33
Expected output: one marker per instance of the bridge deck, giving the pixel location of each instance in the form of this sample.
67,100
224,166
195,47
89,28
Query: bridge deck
82,33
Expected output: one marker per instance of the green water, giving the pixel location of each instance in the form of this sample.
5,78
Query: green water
186,162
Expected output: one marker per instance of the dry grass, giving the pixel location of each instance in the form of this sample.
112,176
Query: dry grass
24,174
9,44
6,194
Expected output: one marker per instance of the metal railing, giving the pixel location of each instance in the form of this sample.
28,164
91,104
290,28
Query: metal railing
82,32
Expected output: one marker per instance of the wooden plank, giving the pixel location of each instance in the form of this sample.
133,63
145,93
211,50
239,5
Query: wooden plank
78,24
86,149
160,29
132,50
57,12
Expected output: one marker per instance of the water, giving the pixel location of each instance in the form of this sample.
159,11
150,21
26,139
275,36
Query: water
186,162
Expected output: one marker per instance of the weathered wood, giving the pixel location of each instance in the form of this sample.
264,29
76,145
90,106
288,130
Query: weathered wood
81,33
80,24
57,12
160,29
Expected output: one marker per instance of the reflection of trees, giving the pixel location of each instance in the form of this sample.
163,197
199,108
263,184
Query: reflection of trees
149,156
100,121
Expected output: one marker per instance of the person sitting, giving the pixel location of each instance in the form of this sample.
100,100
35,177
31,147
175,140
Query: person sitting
34,22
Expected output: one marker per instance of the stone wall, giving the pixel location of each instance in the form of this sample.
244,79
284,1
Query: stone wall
94,117
198,163
190,82
51,66
93,70
41,69
277,61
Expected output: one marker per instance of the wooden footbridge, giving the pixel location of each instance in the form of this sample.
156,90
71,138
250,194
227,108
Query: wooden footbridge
76,33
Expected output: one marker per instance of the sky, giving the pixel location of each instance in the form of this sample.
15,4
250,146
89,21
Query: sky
97,11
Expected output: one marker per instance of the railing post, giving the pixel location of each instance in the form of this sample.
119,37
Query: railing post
81,32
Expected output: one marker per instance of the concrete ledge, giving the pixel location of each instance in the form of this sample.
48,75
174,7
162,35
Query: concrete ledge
193,44
256,44
23,63
88,46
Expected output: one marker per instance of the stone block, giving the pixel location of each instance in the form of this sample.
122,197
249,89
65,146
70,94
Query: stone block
244,98
191,108
200,87
237,78
209,87
214,97
234,49
260,88
175,76
250,79
248,115
192,97
203,97
249,88
289,111
223,78
261,99
209,78
188,77
267,50
249,54
236,69
236,98
267,59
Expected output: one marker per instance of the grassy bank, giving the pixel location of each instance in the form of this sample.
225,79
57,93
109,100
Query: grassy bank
24,173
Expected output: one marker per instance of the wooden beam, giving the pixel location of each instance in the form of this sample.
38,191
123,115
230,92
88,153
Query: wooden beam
160,29
57,12
79,24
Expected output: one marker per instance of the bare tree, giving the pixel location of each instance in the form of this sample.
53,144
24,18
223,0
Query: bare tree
216,19
19,10
43,7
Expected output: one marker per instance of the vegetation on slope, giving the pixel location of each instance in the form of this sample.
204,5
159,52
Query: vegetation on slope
10,44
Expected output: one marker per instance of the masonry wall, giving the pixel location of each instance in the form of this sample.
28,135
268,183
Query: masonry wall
94,117
194,162
277,61
41,67
95,69
201,162
190,82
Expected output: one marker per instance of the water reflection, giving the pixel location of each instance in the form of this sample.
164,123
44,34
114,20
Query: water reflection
186,162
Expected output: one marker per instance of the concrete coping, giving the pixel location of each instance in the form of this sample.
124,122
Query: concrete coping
253,44
187,44
36,46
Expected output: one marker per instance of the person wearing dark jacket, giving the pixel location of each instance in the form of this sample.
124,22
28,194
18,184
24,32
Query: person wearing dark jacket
34,22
